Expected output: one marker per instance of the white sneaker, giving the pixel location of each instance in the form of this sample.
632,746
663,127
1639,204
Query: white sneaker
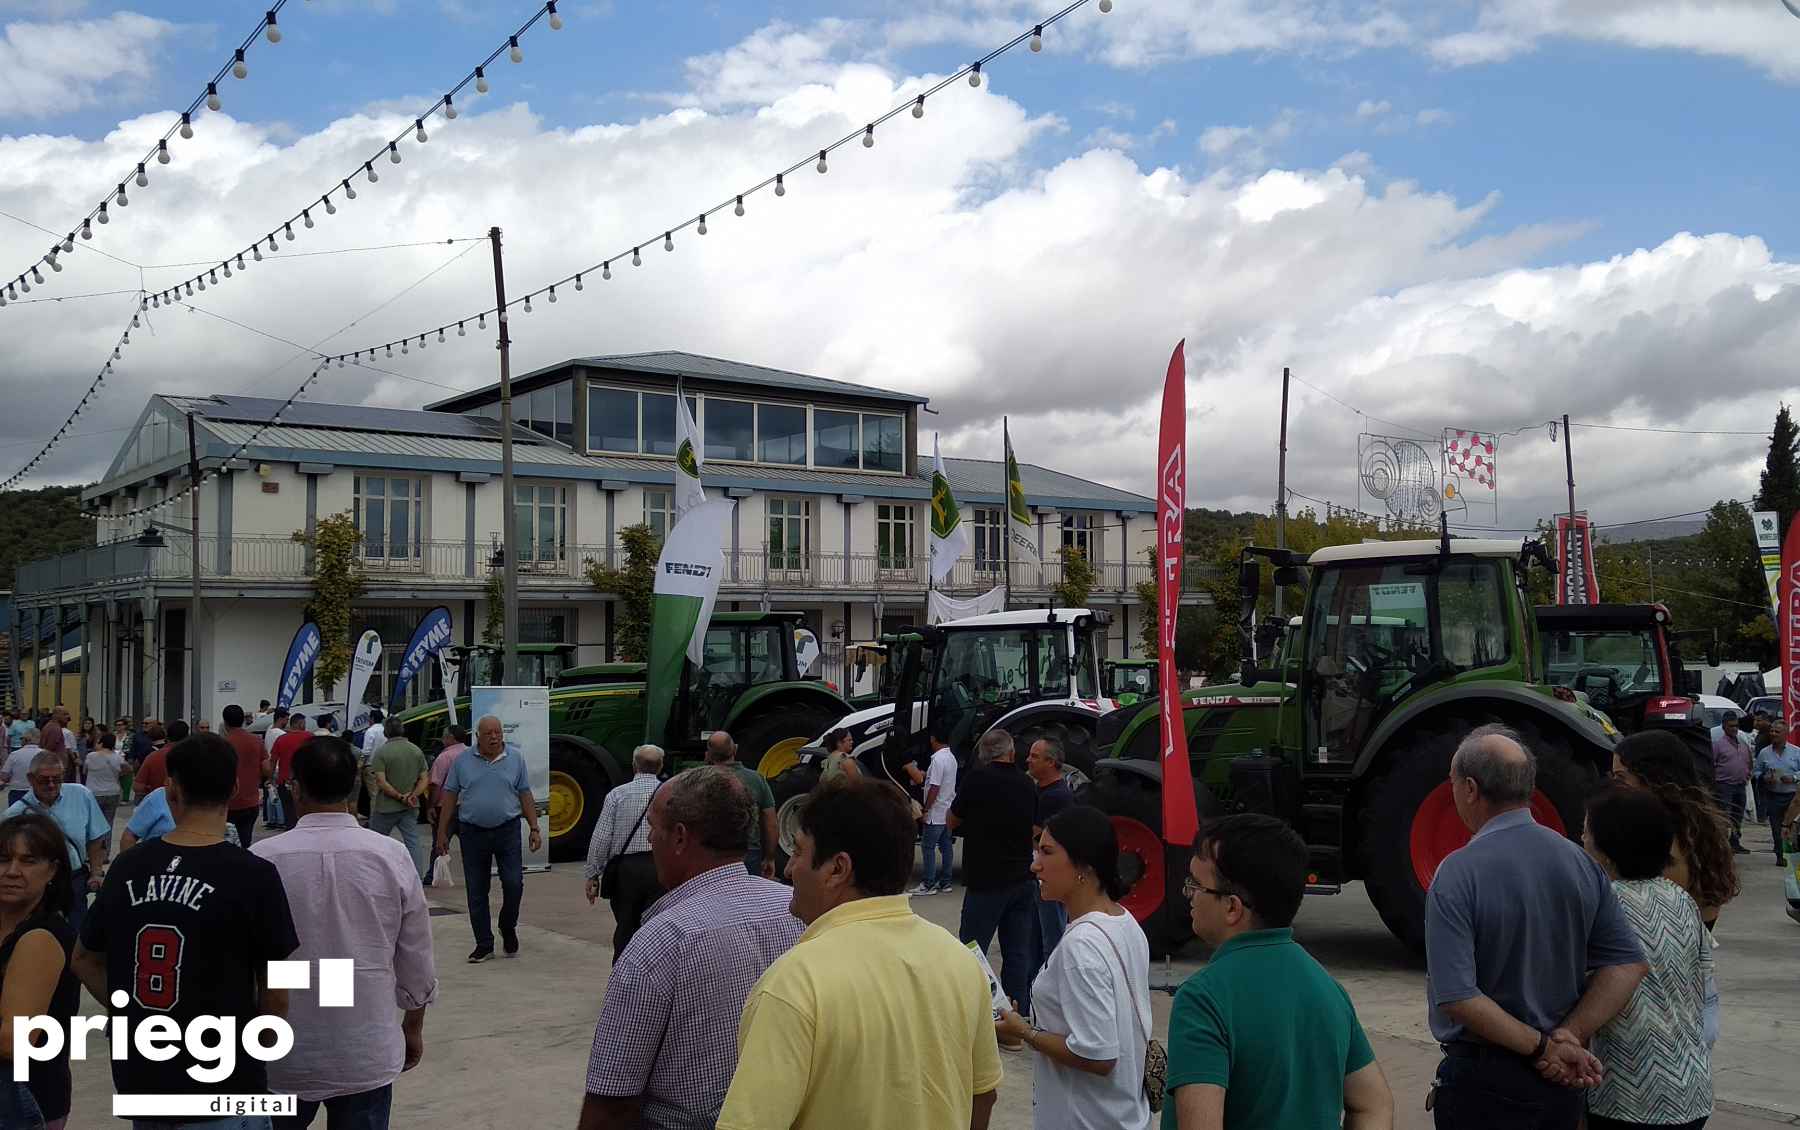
922,889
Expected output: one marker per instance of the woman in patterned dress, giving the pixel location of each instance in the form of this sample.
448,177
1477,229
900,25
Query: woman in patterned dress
1656,1051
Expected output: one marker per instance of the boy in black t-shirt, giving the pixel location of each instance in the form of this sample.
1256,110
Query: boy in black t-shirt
185,927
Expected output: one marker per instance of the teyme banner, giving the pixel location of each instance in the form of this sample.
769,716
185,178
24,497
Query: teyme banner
301,655
1180,820
1577,583
430,637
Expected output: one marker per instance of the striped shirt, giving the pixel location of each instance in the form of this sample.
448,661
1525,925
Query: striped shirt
668,1027
617,816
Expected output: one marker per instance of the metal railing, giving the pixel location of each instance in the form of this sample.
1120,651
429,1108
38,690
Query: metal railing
277,559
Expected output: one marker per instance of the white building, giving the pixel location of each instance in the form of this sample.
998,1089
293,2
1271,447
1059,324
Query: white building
832,520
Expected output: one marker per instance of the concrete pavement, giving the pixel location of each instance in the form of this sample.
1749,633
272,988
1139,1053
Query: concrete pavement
508,1041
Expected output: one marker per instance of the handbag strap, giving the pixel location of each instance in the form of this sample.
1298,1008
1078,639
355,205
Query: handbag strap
634,827
1125,972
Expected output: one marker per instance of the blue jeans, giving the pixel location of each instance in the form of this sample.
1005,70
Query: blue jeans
1012,910
365,1110
481,849
937,836
411,834
1731,803
1052,919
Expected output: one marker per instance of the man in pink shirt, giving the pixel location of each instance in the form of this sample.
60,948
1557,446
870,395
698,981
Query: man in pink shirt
354,894
456,743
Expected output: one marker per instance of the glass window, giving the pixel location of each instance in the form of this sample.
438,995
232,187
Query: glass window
541,411
990,552
1474,623
565,413
895,541
542,515
659,512
1053,664
729,427
612,423
837,439
781,434
1079,532
884,440
390,514
790,533
659,422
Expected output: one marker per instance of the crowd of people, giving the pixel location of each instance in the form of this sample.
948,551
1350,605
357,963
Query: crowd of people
770,970
1757,773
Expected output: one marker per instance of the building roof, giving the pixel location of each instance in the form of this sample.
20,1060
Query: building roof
671,363
254,410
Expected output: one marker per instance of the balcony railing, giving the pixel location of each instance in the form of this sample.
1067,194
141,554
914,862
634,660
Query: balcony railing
282,560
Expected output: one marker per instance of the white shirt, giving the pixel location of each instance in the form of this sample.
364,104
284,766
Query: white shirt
373,739
271,736
1104,1015
103,771
18,763
941,773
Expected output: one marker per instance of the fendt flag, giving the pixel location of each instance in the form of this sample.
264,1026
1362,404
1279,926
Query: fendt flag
1179,818
301,655
1576,584
687,584
688,491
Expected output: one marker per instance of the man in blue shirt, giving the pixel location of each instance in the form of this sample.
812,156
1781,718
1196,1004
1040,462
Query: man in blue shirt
83,825
1526,953
1778,768
486,792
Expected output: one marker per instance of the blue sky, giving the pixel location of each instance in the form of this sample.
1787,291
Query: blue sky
1458,212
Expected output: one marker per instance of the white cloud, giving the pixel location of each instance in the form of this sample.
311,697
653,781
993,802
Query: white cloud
941,261
769,63
1758,32
51,68
1433,116
1371,109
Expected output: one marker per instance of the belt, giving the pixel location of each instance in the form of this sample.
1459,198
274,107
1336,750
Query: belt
1469,1049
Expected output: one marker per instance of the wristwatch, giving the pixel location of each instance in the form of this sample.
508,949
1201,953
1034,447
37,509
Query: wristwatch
1542,1045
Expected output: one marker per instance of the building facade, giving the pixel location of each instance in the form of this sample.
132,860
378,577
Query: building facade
832,519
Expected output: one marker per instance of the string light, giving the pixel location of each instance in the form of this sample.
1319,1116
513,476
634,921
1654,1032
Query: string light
212,96
739,210
918,110
577,282
822,166
187,126
702,228
87,397
273,32
394,152
515,54
419,130
449,108
975,75
238,68
556,20
1037,38
636,260
668,241
481,82
780,185
869,137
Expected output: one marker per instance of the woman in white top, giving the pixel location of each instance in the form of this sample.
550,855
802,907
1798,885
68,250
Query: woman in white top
104,764
1092,999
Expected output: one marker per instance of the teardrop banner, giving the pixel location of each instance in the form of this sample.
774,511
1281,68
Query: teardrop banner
430,637
302,653
1179,818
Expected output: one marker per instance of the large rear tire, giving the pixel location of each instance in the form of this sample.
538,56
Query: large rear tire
773,739
1153,871
1410,823
578,788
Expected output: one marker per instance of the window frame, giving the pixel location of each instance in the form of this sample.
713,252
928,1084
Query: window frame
888,516
418,500
526,530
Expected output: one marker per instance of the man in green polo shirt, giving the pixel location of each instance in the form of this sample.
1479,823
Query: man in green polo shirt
1262,1036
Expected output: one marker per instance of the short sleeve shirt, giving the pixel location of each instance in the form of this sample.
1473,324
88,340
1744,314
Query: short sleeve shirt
250,753
942,773
76,812
401,762
487,792
1783,761
103,769
761,794
1233,1025
1096,989
997,805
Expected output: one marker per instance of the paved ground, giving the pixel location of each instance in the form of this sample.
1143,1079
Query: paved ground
507,1044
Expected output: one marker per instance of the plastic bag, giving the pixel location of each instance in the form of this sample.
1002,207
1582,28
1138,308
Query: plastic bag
440,872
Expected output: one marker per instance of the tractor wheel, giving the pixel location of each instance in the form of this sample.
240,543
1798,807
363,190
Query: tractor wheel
772,741
578,787
1077,742
793,784
1410,822
1153,871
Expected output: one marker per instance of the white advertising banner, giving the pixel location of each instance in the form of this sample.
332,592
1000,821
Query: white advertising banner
362,665
524,714
1768,548
451,673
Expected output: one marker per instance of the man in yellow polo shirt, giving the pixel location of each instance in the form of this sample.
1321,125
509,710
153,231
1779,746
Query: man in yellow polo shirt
876,1018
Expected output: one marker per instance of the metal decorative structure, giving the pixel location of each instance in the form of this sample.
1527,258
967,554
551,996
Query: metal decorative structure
1400,475
1471,479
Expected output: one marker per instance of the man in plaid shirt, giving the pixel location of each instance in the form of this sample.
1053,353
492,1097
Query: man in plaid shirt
666,1043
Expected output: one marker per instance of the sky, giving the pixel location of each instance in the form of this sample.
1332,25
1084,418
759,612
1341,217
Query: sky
1473,214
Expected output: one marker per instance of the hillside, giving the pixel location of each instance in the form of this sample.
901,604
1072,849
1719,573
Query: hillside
40,523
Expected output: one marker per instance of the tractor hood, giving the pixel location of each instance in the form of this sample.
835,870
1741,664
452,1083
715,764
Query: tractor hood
867,727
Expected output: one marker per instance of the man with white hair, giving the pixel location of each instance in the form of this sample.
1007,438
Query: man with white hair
86,832
484,796
1526,952
621,845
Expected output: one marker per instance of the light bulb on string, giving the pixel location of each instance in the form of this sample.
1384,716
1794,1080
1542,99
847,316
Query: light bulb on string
369,168
187,127
1037,38
340,360
288,230
552,294
975,75
636,260
919,106
481,321
403,348
68,243
37,276
421,341
190,288
869,137
215,276
349,190
515,54
556,20
390,349
528,303
143,177
702,225
55,266
1106,5
481,82
394,152
460,331
240,260
226,267
162,152
256,250
330,208
120,198
419,130
440,335
25,286
101,215
606,269
273,246
449,109
668,241
212,96
87,229
237,67
577,282
739,210
306,217
273,32
823,168
780,185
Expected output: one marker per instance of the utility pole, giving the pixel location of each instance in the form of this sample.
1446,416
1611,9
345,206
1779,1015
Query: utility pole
194,593
1281,488
1569,464
509,600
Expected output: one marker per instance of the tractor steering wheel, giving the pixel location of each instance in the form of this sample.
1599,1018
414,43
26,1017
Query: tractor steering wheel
1602,697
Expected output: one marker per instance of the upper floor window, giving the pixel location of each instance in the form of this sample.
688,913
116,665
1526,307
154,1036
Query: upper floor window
884,443
390,515
542,514
781,434
730,429
548,411
895,537
659,512
1082,532
990,527
837,440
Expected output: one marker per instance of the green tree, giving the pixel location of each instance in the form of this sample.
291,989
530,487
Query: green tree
493,625
337,581
1780,489
1077,579
40,523
635,586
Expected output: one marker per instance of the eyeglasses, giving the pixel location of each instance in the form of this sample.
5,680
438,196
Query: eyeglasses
1191,887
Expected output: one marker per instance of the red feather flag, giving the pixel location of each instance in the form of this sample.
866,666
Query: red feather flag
1179,819
1790,626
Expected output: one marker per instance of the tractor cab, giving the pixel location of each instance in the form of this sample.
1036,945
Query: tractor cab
742,650
1128,681
1624,660
870,674
481,665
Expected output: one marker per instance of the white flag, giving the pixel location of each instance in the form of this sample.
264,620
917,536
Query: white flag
362,665
688,491
949,533
449,672
688,574
1021,534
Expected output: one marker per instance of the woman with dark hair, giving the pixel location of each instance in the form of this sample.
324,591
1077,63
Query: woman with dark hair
35,978
1090,1024
1657,1051
838,762
1701,861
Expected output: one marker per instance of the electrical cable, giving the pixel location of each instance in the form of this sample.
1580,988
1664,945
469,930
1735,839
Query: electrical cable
118,351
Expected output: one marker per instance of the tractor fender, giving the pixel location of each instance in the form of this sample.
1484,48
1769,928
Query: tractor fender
1037,713
599,755
758,699
1583,729
1135,766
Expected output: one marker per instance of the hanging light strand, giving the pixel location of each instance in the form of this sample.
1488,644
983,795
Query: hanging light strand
181,125
87,398
734,203
414,133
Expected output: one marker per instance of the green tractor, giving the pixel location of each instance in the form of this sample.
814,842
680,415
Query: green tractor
1404,647
749,685
1128,681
